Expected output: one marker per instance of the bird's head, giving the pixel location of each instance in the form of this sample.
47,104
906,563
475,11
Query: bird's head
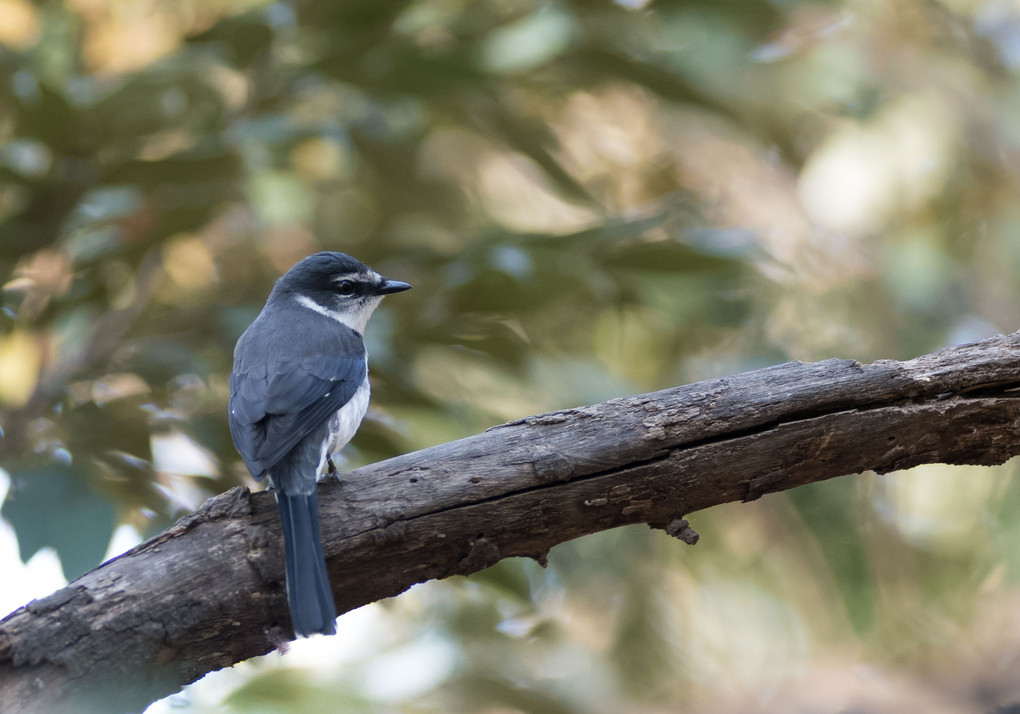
337,286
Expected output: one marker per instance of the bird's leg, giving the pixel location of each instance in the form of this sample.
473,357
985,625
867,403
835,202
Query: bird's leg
332,471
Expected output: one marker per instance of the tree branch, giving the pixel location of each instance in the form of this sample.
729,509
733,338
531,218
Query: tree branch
208,592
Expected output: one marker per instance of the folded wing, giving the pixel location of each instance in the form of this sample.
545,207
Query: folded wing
279,397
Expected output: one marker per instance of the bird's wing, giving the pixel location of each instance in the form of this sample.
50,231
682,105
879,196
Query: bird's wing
276,402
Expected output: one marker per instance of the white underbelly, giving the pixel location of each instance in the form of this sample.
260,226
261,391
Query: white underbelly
345,422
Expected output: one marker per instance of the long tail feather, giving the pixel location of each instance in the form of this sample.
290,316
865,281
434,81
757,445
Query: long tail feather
308,591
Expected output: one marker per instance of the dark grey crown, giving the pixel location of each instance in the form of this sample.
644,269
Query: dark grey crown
318,273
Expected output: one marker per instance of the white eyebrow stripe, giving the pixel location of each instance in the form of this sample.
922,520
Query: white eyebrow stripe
343,319
356,276
370,277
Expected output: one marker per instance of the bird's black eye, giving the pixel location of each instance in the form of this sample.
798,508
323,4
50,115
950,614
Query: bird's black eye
346,288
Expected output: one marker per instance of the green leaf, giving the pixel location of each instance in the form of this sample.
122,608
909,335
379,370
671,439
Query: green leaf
193,167
670,257
121,425
243,39
50,118
54,506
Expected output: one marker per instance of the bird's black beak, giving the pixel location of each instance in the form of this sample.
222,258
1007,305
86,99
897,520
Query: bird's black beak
388,287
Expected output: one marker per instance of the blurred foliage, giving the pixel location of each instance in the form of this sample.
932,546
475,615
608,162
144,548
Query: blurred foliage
592,199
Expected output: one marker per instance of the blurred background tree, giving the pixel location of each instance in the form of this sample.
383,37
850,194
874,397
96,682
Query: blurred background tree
592,199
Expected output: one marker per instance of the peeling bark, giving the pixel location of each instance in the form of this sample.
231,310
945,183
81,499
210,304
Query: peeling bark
208,592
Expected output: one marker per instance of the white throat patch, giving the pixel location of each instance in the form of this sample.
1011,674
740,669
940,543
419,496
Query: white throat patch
356,321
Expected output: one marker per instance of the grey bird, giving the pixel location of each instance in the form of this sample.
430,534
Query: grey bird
298,392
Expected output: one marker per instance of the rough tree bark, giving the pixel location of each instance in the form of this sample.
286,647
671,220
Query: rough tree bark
208,592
